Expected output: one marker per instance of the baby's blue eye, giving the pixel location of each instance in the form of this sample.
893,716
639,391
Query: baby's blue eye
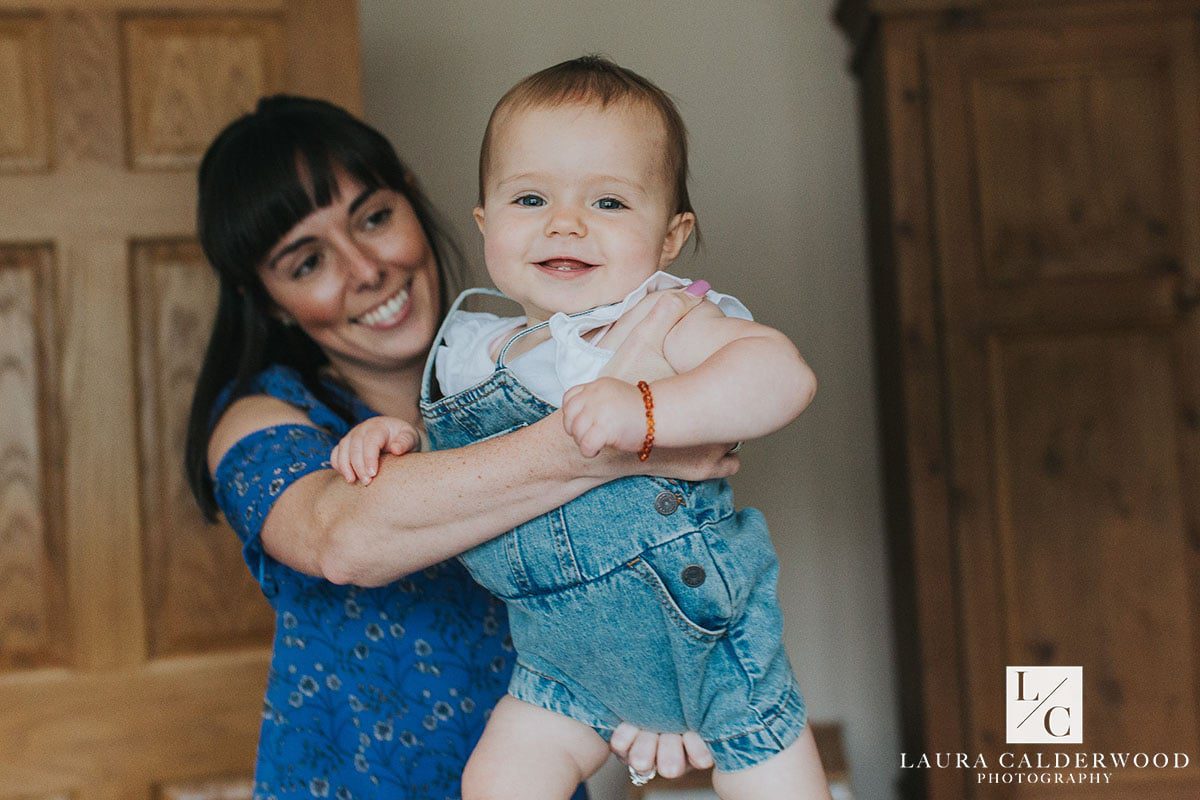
610,204
530,201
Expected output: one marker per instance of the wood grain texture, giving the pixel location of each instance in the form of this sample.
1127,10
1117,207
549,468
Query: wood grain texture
87,89
100,464
174,721
199,593
132,663
324,55
912,406
218,788
1077,491
24,91
1076,168
186,77
161,6
1035,242
32,593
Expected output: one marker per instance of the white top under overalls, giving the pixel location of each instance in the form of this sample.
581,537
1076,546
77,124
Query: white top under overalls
564,360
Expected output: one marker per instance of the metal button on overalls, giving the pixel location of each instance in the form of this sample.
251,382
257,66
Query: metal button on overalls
693,575
666,503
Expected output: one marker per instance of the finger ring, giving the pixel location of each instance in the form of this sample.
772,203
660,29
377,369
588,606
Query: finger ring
638,778
737,448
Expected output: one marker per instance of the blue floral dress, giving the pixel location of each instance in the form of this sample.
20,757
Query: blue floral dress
372,693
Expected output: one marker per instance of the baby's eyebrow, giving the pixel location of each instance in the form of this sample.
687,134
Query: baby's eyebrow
589,179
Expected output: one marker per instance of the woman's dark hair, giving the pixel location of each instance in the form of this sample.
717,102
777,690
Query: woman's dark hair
264,173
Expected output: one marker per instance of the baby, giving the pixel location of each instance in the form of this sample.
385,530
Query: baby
647,600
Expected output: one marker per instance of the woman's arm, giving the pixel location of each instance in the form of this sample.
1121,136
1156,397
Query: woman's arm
423,508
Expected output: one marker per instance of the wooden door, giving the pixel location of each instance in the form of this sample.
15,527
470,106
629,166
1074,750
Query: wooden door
133,644
1066,170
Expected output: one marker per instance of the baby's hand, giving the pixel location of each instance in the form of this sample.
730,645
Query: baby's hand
605,413
356,456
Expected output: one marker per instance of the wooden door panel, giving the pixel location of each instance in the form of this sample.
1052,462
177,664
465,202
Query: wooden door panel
32,591
1077,170
133,641
1076,493
199,594
189,75
1065,176
24,143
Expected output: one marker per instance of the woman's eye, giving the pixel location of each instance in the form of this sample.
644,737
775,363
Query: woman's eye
530,201
609,204
306,266
378,218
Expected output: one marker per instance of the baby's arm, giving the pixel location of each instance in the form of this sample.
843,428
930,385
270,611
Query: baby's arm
356,456
737,380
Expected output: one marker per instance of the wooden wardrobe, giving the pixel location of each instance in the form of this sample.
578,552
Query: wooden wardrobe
1033,179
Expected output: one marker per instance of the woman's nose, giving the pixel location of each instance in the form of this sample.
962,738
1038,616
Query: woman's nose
363,268
566,221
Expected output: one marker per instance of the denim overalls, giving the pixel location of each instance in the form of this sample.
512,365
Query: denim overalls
647,600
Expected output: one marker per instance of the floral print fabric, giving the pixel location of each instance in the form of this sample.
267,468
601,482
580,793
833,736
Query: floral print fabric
372,693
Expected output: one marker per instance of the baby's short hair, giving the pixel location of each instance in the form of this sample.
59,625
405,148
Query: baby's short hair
596,79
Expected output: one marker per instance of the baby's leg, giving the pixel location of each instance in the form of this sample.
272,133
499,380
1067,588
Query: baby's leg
794,774
529,753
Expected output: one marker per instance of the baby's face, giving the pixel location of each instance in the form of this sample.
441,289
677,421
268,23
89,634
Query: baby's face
578,206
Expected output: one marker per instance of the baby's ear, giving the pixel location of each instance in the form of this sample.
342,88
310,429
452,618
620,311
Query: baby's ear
477,213
678,230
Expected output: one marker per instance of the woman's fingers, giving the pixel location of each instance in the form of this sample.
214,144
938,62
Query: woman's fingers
643,751
668,309
622,739
727,466
671,306
640,356
697,751
670,753
670,761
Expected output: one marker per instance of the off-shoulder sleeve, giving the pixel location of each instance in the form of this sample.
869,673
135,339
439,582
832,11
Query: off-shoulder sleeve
255,472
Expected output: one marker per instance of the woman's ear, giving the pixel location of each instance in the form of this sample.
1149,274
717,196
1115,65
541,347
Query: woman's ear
678,230
281,316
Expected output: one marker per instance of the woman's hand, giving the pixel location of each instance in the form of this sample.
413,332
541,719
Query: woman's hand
671,754
639,357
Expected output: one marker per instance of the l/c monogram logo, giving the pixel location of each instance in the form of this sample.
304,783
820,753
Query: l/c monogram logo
1045,705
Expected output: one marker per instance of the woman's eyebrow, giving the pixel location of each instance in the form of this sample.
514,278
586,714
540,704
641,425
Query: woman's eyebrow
363,197
290,248
355,204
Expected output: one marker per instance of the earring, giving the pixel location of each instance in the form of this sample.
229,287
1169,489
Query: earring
285,319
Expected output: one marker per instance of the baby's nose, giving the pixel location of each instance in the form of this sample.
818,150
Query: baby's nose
566,222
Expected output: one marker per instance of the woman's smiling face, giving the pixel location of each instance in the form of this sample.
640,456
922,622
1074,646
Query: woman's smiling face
359,277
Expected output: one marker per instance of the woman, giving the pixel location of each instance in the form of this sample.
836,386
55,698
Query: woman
333,277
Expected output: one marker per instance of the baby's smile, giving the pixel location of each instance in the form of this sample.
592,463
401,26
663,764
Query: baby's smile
565,266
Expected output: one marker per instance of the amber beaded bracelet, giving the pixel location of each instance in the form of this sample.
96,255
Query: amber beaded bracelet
648,401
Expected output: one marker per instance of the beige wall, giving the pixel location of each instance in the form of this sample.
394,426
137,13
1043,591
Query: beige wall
776,180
